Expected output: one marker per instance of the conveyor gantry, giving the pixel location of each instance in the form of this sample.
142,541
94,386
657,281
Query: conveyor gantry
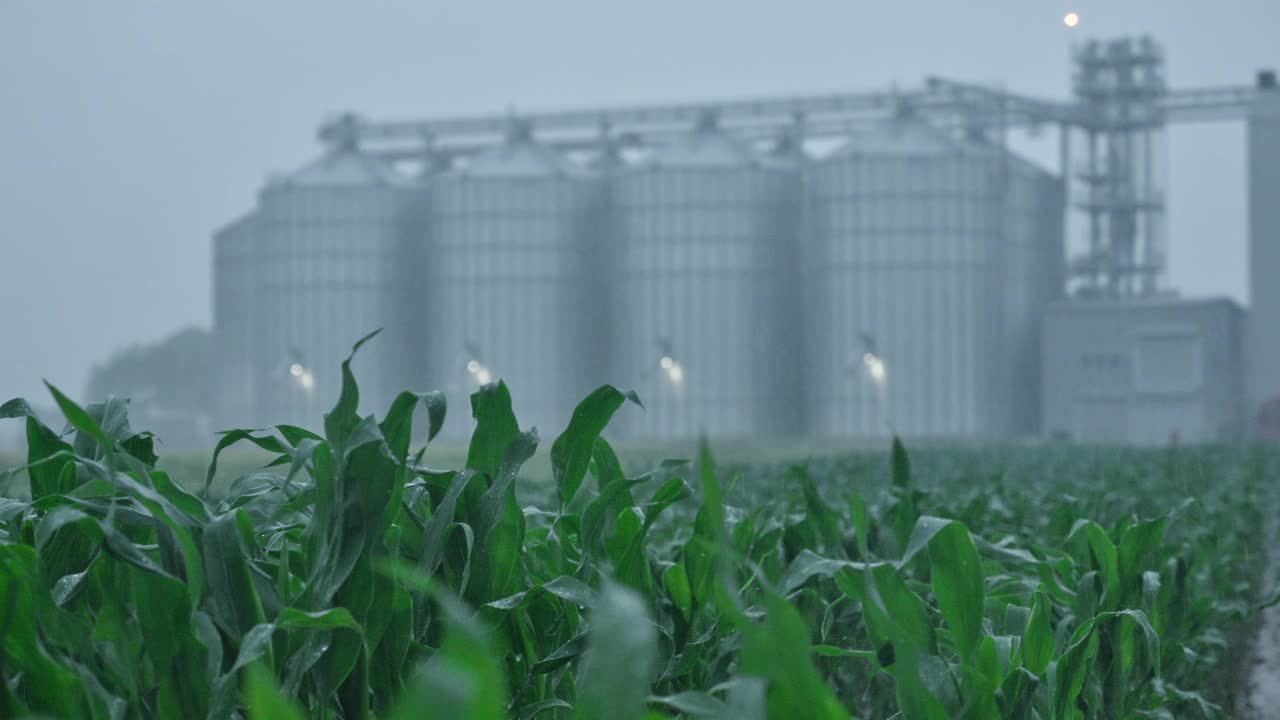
1120,108
823,116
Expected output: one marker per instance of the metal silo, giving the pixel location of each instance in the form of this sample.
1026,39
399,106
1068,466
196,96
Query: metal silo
1263,138
1035,279
330,239
512,244
704,316
899,274
234,260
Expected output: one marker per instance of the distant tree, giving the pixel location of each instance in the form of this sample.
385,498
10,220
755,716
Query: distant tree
170,383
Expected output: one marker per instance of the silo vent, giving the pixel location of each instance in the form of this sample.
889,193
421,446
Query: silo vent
519,130
344,133
1266,79
708,120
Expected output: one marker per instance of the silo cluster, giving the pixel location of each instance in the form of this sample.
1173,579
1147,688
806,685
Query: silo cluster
743,287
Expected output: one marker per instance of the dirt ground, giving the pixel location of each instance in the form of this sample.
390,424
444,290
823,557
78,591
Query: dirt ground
1264,683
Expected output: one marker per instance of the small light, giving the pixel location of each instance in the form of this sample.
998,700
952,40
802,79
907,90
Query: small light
877,372
483,377
296,370
1071,19
675,373
308,381
473,366
875,366
666,362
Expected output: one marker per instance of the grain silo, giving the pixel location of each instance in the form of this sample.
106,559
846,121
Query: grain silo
511,262
1263,137
921,285
1035,272
234,312
330,239
702,329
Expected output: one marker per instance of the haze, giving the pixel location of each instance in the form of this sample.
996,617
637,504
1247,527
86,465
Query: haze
132,130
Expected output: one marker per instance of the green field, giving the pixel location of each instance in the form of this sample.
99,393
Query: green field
188,467
357,577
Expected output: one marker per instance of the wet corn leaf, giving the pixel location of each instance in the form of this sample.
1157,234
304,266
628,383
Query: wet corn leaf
264,700
571,452
957,577
336,579
623,645
462,680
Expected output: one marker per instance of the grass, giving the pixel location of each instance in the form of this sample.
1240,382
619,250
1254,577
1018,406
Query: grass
357,577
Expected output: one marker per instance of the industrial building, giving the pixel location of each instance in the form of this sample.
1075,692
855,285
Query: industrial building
833,265
1145,371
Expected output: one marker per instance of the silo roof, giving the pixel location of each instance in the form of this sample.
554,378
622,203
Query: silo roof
237,234
911,136
903,136
519,158
240,225
704,148
788,153
1026,167
345,167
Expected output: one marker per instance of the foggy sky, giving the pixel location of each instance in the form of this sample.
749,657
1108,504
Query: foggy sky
130,131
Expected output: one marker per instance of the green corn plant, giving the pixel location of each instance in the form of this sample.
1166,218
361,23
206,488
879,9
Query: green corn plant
350,576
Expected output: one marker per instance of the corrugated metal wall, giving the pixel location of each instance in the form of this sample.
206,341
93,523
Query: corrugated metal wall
897,248
234,272
917,262
1035,279
511,265
699,261
329,254
765,280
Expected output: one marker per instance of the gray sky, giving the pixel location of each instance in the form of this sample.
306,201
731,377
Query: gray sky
131,130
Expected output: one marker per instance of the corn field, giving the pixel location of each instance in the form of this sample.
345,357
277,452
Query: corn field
350,578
